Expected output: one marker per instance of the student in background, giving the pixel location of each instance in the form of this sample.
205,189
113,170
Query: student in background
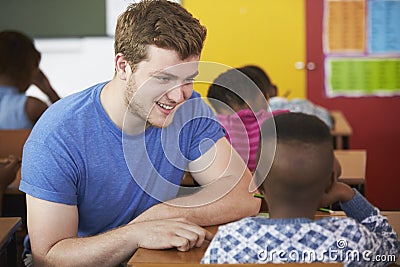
276,102
19,68
303,177
240,101
97,163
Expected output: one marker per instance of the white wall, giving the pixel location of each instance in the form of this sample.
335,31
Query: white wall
72,65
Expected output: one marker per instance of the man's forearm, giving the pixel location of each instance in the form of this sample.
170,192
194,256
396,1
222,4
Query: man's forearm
208,207
107,249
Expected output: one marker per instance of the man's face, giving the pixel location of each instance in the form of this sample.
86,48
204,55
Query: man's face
159,85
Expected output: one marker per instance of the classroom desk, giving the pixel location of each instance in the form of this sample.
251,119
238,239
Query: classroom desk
8,246
13,188
172,257
14,203
341,130
353,164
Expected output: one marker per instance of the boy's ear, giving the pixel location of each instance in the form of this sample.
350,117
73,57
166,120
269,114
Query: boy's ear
332,180
337,168
336,172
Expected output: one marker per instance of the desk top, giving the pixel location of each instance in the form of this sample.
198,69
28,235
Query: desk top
341,126
8,226
173,257
353,162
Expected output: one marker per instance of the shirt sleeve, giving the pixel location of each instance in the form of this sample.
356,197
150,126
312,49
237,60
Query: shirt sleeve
382,244
48,174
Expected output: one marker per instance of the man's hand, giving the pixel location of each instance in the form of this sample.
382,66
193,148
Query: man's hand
169,233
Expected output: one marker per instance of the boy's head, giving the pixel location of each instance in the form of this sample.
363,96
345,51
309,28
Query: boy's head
234,90
161,23
19,60
302,166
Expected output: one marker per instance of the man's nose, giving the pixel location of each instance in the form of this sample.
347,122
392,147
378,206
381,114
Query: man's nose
177,94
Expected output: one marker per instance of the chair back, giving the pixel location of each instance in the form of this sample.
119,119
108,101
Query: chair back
12,142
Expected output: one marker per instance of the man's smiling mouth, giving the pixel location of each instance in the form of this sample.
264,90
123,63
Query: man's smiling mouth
164,106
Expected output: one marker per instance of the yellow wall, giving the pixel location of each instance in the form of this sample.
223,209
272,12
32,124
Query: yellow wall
268,33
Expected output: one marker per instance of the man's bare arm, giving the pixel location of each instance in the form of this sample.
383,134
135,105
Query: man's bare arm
225,195
54,238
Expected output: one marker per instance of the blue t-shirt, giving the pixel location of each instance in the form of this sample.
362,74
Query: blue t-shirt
12,109
76,155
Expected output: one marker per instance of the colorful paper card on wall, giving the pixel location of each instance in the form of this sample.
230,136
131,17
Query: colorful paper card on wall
344,26
362,76
384,26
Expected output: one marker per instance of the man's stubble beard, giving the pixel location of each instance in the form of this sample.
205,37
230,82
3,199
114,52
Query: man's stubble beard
133,107
136,109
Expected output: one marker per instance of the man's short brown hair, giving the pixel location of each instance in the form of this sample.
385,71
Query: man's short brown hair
161,23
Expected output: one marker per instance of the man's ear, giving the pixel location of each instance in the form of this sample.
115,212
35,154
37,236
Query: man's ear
122,67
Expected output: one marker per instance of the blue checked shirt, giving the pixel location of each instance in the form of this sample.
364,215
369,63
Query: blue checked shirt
364,238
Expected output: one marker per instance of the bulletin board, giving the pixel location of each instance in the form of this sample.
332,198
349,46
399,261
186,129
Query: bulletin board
361,40
54,18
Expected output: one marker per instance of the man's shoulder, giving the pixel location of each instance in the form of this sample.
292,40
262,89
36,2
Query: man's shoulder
195,94
78,99
70,112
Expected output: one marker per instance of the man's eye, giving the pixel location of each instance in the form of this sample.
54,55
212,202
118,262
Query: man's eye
163,78
190,80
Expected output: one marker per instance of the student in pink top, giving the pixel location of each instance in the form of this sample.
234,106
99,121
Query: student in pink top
240,99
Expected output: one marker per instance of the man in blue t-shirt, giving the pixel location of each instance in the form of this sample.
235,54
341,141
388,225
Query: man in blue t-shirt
102,168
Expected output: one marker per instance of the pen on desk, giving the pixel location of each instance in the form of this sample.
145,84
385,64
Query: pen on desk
258,195
326,210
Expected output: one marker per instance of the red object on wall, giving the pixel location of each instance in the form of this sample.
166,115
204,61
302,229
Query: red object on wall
375,120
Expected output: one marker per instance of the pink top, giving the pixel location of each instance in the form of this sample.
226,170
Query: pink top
243,132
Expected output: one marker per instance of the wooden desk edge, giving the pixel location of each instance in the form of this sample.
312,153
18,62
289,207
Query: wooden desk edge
10,225
361,154
13,187
340,122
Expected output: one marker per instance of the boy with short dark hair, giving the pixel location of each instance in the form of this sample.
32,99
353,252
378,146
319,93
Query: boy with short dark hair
301,178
